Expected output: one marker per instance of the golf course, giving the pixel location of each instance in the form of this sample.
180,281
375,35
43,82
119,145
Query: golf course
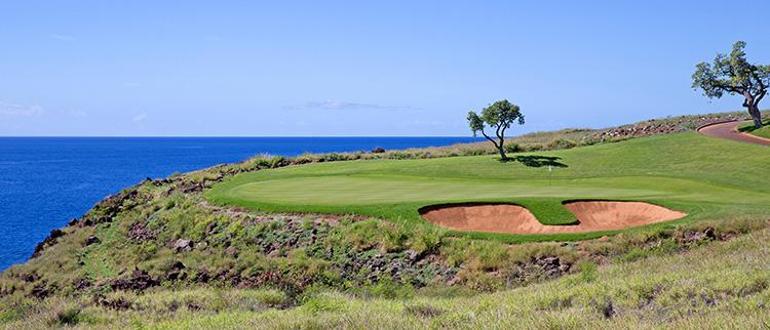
560,231
703,177
384,165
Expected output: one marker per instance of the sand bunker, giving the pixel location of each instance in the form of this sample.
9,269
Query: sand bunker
514,219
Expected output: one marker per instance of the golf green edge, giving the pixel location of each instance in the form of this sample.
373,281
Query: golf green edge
702,177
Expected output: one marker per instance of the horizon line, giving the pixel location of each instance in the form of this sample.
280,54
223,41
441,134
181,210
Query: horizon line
238,136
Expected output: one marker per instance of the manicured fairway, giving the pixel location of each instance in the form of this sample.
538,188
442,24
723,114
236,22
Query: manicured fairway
705,177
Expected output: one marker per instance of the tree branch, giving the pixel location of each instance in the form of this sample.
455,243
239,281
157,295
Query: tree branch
731,89
759,97
762,89
748,99
489,138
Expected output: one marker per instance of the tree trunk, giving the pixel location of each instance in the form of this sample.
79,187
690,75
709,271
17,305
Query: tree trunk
756,115
501,149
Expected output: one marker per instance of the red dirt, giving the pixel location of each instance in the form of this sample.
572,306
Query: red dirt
514,219
729,130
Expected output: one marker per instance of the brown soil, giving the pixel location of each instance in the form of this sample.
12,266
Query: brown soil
729,130
514,219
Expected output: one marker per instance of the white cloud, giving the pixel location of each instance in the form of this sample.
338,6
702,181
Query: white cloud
139,117
344,105
19,110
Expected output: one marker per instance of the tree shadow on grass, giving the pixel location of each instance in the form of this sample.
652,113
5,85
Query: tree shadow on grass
748,128
537,161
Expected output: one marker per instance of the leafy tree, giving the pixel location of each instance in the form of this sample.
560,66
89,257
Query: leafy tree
734,75
500,116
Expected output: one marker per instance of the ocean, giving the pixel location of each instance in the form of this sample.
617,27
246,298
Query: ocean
45,182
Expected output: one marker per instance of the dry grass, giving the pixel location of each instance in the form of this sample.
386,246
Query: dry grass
720,285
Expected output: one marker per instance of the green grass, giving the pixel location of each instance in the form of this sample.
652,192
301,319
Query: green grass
707,178
720,285
763,131
729,289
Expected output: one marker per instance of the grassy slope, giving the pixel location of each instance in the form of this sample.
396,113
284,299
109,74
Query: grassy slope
705,177
721,285
764,131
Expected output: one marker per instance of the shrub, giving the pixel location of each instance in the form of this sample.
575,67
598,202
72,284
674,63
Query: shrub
316,303
305,159
561,144
394,239
534,147
587,271
359,235
389,289
513,148
334,157
425,239
278,161
68,316
400,155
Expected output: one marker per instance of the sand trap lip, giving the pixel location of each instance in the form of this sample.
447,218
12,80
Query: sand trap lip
515,219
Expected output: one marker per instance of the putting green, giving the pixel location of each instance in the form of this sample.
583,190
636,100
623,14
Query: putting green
705,177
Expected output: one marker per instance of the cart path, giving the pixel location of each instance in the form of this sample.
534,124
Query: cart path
729,130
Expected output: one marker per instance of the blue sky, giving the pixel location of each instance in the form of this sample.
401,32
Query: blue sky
284,68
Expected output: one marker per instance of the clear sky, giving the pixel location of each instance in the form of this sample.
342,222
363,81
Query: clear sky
284,68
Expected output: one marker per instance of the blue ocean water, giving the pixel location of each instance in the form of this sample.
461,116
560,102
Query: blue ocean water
45,182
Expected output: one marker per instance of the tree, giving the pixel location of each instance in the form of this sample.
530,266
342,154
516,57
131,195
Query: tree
500,116
734,75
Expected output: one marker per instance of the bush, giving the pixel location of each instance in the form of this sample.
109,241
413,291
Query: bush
587,271
562,144
305,159
400,155
425,239
334,157
388,289
513,148
68,316
316,303
534,147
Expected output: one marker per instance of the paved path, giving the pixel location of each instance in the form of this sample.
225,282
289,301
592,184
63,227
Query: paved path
729,130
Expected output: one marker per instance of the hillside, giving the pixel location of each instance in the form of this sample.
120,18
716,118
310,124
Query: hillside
336,240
